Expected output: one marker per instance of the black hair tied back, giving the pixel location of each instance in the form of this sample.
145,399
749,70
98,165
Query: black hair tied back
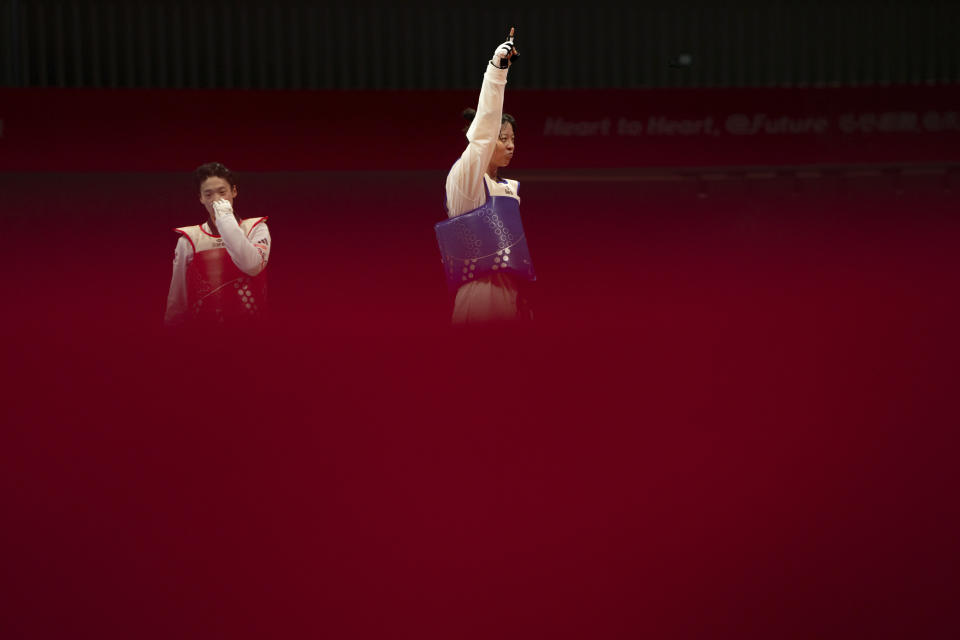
468,115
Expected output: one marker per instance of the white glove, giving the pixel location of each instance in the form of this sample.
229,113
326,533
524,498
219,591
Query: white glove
222,208
502,56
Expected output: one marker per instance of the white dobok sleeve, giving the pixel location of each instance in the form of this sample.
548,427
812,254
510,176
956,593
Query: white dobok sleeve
249,254
177,312
464,186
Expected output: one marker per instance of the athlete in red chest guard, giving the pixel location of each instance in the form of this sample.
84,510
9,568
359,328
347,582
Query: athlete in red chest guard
219,267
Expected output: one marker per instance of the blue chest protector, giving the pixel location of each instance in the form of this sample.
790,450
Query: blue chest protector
487,240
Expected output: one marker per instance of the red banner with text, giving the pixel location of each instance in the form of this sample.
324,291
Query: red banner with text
166,130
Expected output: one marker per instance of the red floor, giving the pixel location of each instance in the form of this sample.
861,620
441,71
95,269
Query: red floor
732,418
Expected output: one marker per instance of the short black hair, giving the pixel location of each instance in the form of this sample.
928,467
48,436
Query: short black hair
469,114
211,170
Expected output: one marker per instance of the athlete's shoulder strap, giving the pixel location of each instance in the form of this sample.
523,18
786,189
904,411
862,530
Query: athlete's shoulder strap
191,234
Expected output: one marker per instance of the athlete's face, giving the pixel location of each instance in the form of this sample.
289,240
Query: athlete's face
213,189
506,145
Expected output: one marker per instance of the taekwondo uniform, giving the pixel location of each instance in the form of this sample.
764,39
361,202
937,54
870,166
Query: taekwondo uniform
482,244
222,278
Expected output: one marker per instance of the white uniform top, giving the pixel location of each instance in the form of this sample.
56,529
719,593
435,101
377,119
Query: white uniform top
467,185
249,254
465,190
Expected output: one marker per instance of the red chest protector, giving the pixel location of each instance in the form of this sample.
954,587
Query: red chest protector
217,291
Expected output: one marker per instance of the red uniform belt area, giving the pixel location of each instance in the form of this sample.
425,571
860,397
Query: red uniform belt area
217,290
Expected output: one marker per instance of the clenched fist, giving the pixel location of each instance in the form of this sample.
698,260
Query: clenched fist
222,208
505,54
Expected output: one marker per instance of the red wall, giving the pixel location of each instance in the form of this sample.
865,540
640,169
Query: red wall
138,130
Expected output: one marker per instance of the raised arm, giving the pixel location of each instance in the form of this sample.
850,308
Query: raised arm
464,185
